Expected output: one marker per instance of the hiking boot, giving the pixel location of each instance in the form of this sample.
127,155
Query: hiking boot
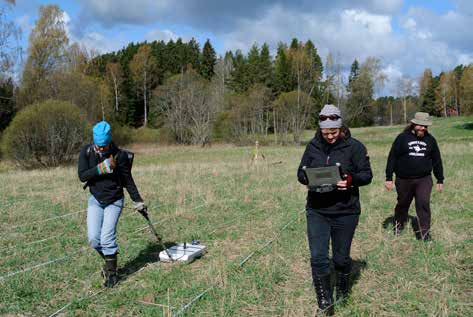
110,271
324,293
343,286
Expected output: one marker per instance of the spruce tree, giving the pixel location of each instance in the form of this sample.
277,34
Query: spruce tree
354,72
253,65
208,61
239,80
193,53
282,71
265,67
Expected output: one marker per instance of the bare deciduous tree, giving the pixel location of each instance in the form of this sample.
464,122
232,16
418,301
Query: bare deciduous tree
186,102
288,111
10,49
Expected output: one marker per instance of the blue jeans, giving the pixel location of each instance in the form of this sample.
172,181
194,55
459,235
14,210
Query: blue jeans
320,228
102,223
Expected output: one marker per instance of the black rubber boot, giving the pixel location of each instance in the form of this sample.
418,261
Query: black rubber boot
101,254
110,271
343,286
324,294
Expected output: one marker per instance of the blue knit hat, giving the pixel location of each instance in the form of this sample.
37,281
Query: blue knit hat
101,133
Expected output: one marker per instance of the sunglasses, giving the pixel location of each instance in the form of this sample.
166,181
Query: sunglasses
332,117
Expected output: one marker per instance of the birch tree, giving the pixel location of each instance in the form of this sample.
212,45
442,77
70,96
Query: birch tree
115,78
444,94
143,68
405,88
47,54
466,90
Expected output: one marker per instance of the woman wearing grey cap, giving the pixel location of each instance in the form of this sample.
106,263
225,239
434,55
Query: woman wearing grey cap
333,214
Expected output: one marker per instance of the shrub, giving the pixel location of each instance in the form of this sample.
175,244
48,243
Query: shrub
46,134
146,135
122,135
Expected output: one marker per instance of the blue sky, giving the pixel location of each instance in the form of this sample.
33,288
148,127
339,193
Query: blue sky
407,35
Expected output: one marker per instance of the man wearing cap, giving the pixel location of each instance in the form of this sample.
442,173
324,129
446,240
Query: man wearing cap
106,169
333,214
413,156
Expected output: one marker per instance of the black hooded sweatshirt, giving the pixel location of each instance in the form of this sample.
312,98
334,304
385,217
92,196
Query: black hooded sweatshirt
413,157
354,160
107,188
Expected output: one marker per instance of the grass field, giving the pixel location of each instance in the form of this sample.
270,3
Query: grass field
216,196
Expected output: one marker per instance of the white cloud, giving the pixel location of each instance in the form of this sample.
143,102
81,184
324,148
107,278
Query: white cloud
465,59
355,29
375,24
162,35
94,41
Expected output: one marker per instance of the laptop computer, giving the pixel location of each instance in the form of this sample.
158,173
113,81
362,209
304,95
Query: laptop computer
322,179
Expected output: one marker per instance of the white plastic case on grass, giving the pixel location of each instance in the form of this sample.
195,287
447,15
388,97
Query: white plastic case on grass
178,253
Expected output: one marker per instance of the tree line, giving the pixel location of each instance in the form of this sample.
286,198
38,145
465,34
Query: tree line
194,96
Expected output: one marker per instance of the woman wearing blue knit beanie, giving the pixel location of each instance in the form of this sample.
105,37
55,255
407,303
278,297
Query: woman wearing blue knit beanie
106,169
333,211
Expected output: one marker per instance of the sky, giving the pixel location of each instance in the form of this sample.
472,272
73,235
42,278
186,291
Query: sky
408,36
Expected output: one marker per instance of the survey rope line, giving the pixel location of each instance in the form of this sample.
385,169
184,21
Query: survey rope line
79,300
184,308
57,236
90,296
97,293
158,206
136,231
30,268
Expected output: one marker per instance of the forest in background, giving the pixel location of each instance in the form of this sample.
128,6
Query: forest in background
193,96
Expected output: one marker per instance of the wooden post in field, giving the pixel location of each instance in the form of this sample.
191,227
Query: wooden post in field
256,155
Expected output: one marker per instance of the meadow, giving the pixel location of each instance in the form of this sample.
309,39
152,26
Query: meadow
238,209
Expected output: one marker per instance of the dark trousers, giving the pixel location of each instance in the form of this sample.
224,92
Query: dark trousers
407,189
320,229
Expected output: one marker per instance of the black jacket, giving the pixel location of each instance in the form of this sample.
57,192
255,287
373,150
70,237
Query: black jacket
354,160
413,157
107,188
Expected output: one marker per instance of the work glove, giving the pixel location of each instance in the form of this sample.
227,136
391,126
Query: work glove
349,179
107,166
141,207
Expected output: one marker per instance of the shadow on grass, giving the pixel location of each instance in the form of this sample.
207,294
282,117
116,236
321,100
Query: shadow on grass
465,126
148,255
412,220
356,268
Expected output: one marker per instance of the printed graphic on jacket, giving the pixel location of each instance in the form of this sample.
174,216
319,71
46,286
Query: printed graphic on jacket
417,148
